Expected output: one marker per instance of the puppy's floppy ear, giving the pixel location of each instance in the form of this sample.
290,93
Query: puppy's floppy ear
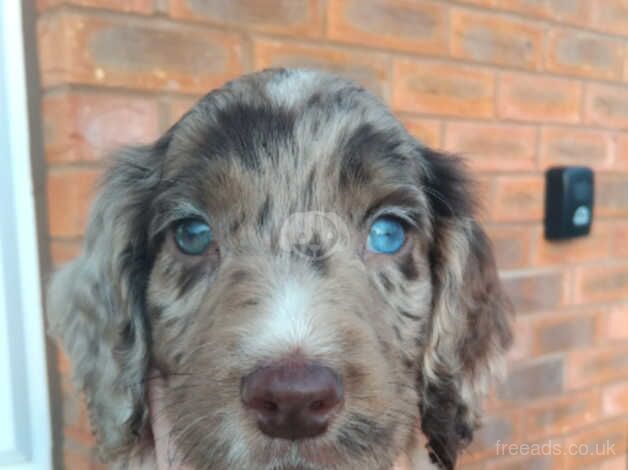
470,324
95,304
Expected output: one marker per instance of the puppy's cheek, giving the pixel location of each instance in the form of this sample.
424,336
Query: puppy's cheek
175,328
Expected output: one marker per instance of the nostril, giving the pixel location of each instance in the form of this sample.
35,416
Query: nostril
317,405
322,407
270,406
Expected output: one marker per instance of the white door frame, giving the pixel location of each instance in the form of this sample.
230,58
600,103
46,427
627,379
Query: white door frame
25,436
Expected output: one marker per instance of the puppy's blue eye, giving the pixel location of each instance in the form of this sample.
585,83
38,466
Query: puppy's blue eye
387,236
192,236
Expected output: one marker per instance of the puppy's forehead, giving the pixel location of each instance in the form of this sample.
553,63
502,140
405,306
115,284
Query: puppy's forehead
292,130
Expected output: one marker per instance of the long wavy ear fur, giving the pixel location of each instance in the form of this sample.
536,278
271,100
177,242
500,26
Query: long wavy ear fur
470,325
95,303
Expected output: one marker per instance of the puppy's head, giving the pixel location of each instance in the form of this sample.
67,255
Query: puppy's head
309,280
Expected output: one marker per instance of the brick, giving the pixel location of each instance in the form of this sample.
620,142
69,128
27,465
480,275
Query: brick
599,443
82,126
61,363
615,399
496,39
298,17
80,432
77,428
596,366
82,459
568,374
594,247
525,462
565,332
575,52
494,428
417,27
601,283
621,157
620,238
129,6
483,192
611,16
518,199
370,69
606,106
481,3
511,245
567,11
72,412
614,324
134,53
444,89
535,291
574,146
561,416
493,147
612,463
62,251
427,131
532,381
611,195
465,457
533,98
522,346
69,195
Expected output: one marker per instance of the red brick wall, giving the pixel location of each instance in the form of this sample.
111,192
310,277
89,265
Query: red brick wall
515,85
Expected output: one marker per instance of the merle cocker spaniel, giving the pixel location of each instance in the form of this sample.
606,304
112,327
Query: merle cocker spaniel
306,280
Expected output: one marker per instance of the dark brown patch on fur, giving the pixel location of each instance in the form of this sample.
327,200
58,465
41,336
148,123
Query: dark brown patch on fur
189,277
354,374
386,283
408,268
384,346
442,421
365,145
409,315
320,265
308,191
446,418
486,319
240,276
402,197
397,332
447,186
244,131
249,303
236,224
359,434
264,212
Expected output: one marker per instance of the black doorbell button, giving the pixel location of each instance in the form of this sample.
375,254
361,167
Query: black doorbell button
569,195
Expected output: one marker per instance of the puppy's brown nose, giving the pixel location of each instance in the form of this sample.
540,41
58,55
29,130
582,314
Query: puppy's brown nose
293,401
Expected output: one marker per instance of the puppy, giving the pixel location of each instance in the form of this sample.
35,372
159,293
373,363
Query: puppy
307,280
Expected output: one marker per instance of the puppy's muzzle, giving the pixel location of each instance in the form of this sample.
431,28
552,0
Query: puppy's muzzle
293,400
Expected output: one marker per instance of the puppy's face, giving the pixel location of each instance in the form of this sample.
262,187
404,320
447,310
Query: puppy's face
309,237
293,258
